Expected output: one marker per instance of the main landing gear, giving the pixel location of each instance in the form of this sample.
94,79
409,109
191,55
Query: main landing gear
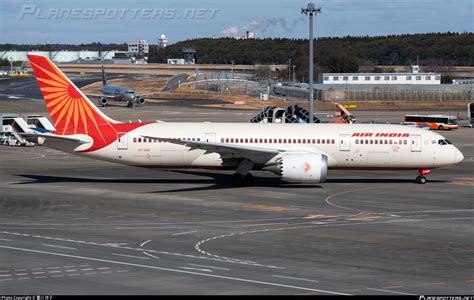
239,180
242,177
421,179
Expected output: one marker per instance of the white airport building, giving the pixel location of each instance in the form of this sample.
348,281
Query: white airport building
415,77
59,56
140,46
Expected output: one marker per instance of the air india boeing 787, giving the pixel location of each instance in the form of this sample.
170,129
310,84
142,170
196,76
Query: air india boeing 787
295,152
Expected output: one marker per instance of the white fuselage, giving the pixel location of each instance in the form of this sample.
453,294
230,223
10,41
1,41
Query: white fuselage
347,146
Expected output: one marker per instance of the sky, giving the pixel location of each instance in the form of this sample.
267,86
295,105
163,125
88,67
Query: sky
119,21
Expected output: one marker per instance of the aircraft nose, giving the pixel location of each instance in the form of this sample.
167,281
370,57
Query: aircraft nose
458,156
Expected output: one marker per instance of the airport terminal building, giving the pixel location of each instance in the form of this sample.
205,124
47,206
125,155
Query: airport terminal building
415,77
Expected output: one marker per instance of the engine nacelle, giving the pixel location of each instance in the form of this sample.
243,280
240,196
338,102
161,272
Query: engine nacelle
104,101
302,167
140,100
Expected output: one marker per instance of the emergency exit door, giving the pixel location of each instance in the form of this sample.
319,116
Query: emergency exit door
415,143
344,142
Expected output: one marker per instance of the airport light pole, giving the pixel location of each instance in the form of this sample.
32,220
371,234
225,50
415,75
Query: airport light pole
311,11
11,65
289,69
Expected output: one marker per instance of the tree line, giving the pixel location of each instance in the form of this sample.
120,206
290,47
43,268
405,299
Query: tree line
332,54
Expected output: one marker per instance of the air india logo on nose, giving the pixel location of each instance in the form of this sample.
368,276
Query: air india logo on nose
307,167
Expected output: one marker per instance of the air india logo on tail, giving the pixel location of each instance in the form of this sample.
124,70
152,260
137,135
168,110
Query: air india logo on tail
70,111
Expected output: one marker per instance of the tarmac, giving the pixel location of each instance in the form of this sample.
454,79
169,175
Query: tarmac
72,225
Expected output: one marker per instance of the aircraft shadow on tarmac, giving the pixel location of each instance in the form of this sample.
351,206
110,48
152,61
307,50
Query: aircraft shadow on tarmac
213,181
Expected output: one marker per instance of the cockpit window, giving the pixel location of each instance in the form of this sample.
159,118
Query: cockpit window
448,142
442,142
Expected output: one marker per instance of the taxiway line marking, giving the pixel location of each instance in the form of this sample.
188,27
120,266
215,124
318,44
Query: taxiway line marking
144,243
175,271
6,240
210,267
392,287
434,283
196,269
468,280
6,279
183,233
133,256
351,290
56,246
264,224
148,254
388,291
295,278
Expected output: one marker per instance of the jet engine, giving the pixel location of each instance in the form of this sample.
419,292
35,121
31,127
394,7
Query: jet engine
301,167
104,101
140,100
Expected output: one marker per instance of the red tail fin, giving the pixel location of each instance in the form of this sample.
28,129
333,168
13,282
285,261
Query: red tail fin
72,112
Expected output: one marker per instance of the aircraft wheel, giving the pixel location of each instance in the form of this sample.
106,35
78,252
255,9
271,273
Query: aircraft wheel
421,180
237,179
248,180
129,104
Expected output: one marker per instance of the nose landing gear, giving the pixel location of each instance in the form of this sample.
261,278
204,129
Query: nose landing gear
421,179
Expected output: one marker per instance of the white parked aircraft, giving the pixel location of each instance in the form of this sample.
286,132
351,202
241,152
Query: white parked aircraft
295,152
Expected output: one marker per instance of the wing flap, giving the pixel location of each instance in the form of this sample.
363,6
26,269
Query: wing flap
255,154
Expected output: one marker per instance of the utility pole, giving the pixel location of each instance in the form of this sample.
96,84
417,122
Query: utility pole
11,65
233,62
311,11
289,69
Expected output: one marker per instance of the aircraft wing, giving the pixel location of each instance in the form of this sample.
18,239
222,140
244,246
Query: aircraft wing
150,94
101,96
255,154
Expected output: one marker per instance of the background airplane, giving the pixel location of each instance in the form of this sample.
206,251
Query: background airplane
118,93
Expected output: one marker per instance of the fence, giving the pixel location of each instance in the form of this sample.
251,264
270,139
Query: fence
382,94
231,86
